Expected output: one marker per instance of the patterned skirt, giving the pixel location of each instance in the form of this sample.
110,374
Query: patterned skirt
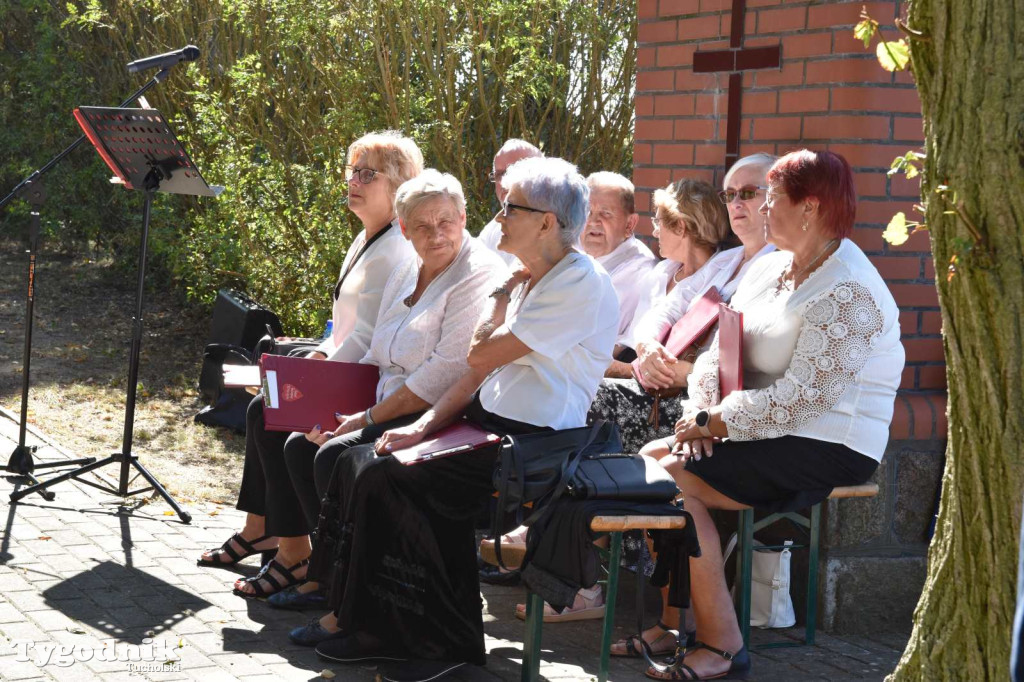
626,403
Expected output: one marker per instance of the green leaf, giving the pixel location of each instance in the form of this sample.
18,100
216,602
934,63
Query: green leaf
896,232
865,31
893,55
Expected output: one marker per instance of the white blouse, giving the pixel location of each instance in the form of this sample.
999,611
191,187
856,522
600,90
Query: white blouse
669,308
424,347
627,265
357,306
822,362
569,320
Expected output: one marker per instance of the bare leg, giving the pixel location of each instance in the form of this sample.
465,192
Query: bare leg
255,527
712,605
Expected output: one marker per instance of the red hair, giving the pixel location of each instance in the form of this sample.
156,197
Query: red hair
827,177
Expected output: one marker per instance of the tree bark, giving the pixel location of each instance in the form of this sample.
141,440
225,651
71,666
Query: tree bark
969,69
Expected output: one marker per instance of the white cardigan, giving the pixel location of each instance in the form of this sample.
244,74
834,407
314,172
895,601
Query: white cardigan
424,347
822,362
356,309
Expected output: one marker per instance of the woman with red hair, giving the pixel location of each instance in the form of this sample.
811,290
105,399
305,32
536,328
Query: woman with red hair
822,360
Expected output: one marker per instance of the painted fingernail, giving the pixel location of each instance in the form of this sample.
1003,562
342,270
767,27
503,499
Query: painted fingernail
388,446
316,428
338,415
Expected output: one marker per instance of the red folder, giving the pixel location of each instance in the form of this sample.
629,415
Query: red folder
451,440
689,328
299,393
730,350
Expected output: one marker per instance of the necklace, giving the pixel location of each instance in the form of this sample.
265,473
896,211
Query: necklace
789,275
676,274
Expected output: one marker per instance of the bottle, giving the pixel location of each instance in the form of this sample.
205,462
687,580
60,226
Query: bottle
329,329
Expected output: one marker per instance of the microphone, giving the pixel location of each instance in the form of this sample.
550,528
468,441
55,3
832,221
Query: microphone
189,53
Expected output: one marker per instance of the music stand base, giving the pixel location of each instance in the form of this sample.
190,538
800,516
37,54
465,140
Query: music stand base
21,464
121,490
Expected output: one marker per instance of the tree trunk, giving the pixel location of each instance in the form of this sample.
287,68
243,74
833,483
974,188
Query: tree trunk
969,69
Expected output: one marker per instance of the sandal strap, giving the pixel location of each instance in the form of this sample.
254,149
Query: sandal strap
727,655
248,548
691,674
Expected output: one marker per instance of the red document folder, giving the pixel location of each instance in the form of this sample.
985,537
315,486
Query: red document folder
730,350
299,393
689,328
451,440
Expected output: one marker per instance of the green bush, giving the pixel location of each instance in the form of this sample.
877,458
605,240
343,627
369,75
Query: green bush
281,89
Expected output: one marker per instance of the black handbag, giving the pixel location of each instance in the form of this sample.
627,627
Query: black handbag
621,477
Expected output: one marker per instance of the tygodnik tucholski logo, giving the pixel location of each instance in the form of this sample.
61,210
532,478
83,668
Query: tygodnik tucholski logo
150,656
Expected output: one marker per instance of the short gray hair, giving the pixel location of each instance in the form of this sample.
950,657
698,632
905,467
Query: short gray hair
516,145
762,160
555,185
429,184
619,183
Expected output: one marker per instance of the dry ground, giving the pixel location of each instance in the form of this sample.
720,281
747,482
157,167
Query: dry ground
79,368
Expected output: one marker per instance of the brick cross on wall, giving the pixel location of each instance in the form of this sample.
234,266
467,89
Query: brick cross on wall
735,61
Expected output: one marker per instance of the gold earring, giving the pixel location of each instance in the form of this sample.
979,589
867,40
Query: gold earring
805,225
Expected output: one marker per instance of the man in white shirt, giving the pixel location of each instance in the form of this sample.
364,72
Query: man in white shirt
608,238
513,150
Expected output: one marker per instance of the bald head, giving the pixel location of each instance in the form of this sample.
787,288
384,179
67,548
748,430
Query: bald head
513,150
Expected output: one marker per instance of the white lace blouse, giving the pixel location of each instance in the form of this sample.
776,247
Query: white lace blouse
822,362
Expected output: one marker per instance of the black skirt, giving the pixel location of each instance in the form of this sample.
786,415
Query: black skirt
781,474
404,556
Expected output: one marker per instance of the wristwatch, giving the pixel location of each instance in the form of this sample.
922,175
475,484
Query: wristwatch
501,291
703,422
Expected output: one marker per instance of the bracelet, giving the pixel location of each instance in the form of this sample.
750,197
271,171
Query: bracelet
369,417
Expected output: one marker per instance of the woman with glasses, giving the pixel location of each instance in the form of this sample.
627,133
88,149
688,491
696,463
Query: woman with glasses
405,585
822,360
377,164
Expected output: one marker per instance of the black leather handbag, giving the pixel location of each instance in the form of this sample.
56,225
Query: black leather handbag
621,477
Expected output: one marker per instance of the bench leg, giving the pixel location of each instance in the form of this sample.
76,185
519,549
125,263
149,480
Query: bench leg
611,591
531,643
812,576
744,567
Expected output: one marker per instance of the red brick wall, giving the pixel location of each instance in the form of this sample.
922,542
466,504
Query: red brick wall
830,93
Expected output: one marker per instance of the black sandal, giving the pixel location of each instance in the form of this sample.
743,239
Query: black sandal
265,574
739,666
248,549
634,643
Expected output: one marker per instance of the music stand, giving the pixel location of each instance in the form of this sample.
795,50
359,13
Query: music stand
141,149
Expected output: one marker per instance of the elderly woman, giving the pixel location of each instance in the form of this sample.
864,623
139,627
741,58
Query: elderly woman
692,225
377,164
428,313
822,362
407,577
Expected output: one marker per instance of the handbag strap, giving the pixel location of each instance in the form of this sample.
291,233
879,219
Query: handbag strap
568,471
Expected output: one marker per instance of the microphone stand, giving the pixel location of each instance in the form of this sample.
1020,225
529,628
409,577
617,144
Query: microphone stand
32,190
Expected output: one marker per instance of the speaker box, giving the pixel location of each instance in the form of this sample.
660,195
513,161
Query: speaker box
240,321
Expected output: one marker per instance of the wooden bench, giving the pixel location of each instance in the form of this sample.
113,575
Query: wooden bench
745,550
614,526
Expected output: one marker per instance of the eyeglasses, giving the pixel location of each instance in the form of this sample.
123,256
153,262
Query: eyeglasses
365,175
771,195
505,206
495,176
744,193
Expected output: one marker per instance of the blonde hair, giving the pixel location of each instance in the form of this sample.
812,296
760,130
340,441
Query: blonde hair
693,207
391,154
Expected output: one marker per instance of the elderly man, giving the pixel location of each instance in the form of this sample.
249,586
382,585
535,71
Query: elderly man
608,238
513,150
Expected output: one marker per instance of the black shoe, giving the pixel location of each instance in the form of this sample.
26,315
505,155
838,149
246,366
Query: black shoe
312,633
353,649
298,601
492,575
419,670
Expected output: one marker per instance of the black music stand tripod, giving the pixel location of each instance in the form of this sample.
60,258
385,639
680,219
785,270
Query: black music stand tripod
32,190
142,150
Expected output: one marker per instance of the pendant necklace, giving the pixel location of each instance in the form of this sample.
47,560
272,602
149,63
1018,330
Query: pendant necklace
784,277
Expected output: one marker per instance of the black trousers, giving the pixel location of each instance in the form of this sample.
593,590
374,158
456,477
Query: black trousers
310,465
266,488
